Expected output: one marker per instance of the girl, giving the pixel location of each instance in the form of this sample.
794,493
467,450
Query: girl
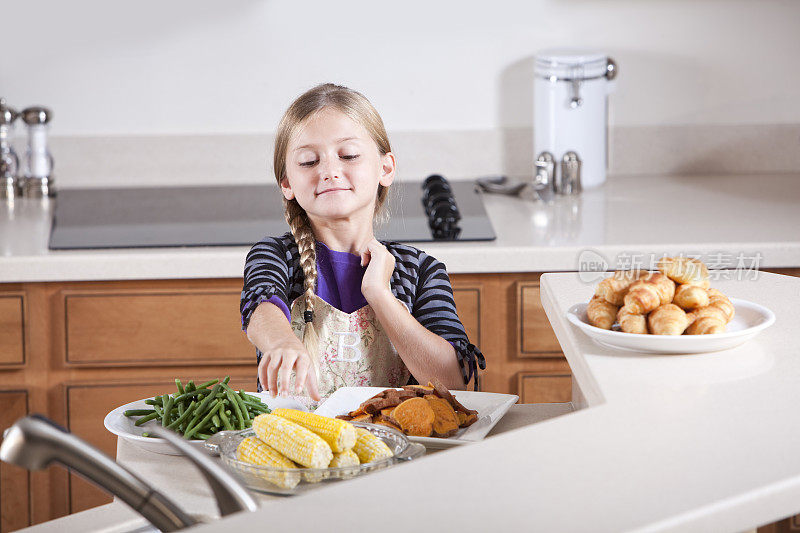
370,313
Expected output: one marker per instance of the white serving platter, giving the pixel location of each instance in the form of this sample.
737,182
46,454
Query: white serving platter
749,320
123,427
490,406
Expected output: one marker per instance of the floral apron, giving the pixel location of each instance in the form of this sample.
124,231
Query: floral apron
354,350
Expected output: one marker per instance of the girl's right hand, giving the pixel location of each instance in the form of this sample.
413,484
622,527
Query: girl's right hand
276,367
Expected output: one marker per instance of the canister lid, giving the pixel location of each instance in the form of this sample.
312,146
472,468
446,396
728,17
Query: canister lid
571,63
36,115
7,114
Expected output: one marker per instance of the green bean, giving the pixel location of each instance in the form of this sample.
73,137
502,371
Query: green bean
183,417
217,406
234,400
225,420
203,436
138,412
146,418
192,394
167,411
190,386
226,380
216,420
257,407
181,409
207,384
179,385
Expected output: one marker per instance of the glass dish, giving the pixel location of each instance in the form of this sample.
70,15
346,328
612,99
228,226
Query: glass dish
289,481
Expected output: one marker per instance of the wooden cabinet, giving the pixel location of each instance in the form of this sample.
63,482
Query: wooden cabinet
15,512
12,329
76,350
503,316
87,405
117,327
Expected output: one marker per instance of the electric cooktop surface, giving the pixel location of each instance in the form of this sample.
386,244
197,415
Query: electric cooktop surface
238,215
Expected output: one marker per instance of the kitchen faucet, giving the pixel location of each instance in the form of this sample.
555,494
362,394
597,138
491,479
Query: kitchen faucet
34,442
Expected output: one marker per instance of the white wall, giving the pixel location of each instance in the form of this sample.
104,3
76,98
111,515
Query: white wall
217,67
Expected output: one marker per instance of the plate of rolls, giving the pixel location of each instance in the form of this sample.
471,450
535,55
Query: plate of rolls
674,310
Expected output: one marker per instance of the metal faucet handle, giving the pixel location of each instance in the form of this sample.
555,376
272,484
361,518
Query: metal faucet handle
34,442
231,495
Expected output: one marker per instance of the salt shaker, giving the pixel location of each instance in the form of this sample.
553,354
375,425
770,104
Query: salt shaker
569,180
9,162
38,176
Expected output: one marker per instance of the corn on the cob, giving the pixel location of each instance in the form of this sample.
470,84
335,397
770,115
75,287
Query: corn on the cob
345,458
339,434
253,450
293,440
369,447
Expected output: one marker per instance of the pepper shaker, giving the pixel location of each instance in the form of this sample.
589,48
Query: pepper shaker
569,180
38,176
9,163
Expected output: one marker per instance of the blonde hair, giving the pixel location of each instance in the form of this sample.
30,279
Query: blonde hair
356,106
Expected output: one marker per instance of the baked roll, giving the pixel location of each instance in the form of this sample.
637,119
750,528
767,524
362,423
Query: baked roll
642,297
705,325
601,314
614,288
706,320
685,270
690,297
630,322
720,301
667,319
664,286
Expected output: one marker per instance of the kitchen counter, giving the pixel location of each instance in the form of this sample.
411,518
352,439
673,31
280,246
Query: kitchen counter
704,442
740,220
192,492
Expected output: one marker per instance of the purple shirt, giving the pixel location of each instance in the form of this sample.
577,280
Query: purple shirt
339,276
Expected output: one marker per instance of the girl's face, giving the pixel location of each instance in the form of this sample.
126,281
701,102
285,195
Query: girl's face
333,168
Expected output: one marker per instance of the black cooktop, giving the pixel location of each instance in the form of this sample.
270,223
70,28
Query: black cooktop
242,215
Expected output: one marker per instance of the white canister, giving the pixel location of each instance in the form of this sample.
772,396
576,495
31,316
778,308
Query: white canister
570,111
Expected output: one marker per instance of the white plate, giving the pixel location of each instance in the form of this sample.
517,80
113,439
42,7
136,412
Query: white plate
123,427
490,406
750,319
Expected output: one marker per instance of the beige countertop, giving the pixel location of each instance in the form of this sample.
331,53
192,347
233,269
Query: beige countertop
182,482
730,221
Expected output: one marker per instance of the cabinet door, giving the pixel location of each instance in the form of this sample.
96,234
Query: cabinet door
12,333
87,406
14,480
536,337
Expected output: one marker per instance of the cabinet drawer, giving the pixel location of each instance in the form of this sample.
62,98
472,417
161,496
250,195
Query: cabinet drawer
134,328
12,334
536,337
544,388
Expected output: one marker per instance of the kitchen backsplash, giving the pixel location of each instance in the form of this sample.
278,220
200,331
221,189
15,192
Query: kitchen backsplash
130,161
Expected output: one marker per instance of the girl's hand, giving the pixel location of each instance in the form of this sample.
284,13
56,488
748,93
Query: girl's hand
380,265
277,364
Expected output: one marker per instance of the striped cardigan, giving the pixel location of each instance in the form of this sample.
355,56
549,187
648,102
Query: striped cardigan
272,268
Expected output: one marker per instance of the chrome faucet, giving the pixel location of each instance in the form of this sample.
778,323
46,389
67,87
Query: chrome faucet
34,442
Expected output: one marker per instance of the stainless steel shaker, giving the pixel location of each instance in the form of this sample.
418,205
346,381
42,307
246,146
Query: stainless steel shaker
9,163
37,178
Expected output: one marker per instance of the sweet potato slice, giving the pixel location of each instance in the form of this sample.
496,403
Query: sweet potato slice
415,417
388,423
362,418
419,390
446,422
